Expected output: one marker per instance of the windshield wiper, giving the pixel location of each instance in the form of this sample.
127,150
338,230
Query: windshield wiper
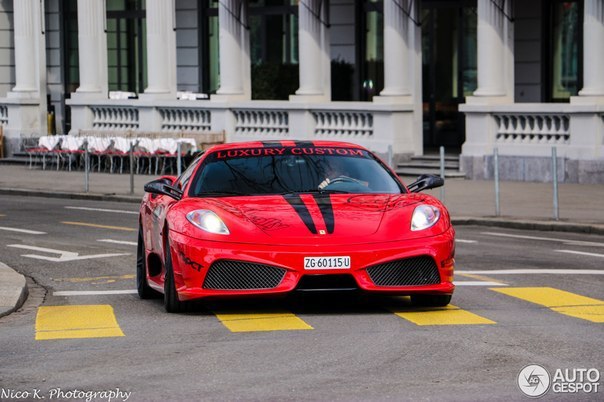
315,191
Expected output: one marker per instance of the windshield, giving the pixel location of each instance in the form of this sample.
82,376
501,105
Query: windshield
279,170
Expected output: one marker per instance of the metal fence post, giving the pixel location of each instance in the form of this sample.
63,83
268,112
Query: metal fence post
442,172
178,162
496,173
86,167
131,156
555,182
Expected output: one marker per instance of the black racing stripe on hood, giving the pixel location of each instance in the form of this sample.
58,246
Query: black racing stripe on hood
298,205
326,208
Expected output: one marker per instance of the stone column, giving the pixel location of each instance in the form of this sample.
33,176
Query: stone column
313,50
26,102
397,66
161,50
234,52
92,49
593,52
27,25
491,78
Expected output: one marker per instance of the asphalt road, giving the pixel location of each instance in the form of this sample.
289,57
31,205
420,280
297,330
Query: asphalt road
339,347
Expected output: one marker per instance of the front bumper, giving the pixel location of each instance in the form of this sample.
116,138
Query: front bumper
192,258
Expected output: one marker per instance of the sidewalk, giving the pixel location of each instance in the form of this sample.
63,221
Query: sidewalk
579,204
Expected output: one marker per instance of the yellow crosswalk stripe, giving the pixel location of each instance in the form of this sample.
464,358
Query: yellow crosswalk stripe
70,322
255,322
449,315
560,301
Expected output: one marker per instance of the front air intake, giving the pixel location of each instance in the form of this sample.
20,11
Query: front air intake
240,275
415,271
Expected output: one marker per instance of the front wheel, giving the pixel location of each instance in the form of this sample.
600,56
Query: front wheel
171,302
431,300
142,286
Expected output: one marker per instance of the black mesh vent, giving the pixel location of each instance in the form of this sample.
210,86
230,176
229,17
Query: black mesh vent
239,275
408,272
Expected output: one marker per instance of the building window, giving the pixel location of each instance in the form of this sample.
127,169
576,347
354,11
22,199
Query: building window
372,48
273,29
565,52
126,45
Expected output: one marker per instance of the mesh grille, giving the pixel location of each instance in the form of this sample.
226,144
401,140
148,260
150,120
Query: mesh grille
407,272
239,275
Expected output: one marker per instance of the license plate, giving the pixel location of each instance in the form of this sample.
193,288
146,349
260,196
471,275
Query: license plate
342,262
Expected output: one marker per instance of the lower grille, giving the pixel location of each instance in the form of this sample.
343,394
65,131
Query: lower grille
239,275
414,271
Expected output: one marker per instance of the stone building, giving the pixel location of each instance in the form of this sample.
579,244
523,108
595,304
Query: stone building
401,77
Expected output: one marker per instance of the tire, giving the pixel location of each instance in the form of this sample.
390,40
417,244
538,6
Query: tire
171,302
431,300
142,286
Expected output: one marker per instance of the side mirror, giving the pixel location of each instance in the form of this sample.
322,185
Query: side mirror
426,182
160,187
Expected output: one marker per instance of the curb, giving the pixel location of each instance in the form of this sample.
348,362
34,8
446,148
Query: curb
546,226
13,290
511,223
73,196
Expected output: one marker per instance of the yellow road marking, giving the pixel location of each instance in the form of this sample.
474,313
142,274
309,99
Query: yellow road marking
255,322
102,279
71,322
560,301
94,225
449,315
480,277
2,215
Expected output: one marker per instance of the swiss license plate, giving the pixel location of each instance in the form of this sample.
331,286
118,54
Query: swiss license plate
342,262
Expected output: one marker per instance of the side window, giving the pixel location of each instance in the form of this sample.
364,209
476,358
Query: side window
184,178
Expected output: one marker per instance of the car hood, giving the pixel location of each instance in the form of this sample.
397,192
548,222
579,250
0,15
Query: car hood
313,218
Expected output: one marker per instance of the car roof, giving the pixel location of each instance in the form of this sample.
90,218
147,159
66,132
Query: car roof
283,143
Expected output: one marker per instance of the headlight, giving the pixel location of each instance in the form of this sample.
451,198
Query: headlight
208,221
424,216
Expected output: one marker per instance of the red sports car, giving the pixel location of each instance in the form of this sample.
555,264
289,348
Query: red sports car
275,217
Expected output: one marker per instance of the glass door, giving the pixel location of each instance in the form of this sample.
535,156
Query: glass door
449,69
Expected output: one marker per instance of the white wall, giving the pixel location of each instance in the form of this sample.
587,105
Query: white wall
528,39
7,53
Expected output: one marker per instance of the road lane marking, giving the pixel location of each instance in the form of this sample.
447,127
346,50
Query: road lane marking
99,279
580,253
478,283
94,225
480,278
74,322
117,211
2,215
256,322
449,315
565,241
465,241
65,256
34,232
94,292
128,243
560,301
535,272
